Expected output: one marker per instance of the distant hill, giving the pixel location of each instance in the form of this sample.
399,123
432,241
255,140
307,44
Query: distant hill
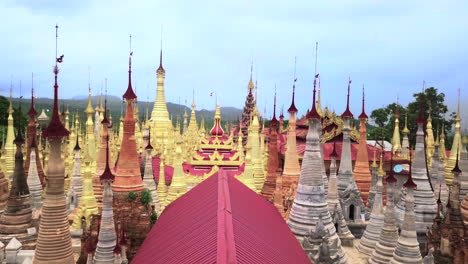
116,105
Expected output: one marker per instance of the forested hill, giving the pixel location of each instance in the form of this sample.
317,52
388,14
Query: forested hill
116,105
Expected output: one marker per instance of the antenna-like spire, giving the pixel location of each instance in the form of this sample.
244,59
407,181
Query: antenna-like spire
160,69
421,105
56,128
274,121
347,112
363,113
292,108
32,111
316,53
129,94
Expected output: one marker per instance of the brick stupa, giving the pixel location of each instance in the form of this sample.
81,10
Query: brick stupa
361,172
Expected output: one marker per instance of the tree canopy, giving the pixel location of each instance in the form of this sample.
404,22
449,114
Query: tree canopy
433,103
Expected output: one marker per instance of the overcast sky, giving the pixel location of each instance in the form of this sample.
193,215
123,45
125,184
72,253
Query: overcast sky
389,46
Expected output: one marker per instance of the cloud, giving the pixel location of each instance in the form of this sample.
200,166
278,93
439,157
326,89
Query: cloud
390,46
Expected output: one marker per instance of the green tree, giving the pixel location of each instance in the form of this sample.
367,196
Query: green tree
433,103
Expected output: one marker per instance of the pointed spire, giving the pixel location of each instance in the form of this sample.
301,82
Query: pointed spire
160,69
333,154
105,121
19,140
56,128
77,145
292,108
456,169
149,141
274,121
363,113
129,94
32,110
410,183
347,113
405,129
107,174
421,107
391,178
313,112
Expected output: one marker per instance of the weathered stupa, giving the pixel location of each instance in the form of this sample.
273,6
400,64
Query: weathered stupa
310,203
292,168
407,248
107,237
54,242
34,182
273,160
424,199
17,217
388,238
375,224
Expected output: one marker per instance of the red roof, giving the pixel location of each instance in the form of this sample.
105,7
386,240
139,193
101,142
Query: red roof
220,221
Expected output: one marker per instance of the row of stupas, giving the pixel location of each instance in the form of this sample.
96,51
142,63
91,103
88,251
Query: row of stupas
92,195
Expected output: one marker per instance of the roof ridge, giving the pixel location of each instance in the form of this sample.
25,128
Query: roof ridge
226,249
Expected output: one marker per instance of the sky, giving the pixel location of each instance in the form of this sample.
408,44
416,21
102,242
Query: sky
390,47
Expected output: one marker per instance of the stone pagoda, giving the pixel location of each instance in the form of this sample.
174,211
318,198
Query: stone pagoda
350,195
334,205
273,161
34,182
407,248
310,203
31,138
107,237
54,241
376,222
424,199
16,220
361,173
292,168
388,238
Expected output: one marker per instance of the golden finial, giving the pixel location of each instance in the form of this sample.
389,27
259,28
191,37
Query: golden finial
374,163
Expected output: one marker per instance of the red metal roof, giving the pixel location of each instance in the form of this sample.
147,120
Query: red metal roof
220,221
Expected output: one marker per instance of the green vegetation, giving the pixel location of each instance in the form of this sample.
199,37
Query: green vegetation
154,217
433,102
131,196
146,197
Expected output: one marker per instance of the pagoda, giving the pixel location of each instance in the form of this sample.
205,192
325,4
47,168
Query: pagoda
128,186
178,186
17,217
388,238
349,193
292,168
33,181
148,177
310,203
405,142
31,136
250,103
107,237
54,242
9,146
101,157
273,162
375,224
447,236
127,172
424,200
160,123
361,173
76,185
396,145
456,147
436,174
258,172
429,139
407,248
334,205
90,147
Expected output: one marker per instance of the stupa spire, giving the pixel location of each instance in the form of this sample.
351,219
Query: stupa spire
54,242
347,113
456,146
396,145
361,173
